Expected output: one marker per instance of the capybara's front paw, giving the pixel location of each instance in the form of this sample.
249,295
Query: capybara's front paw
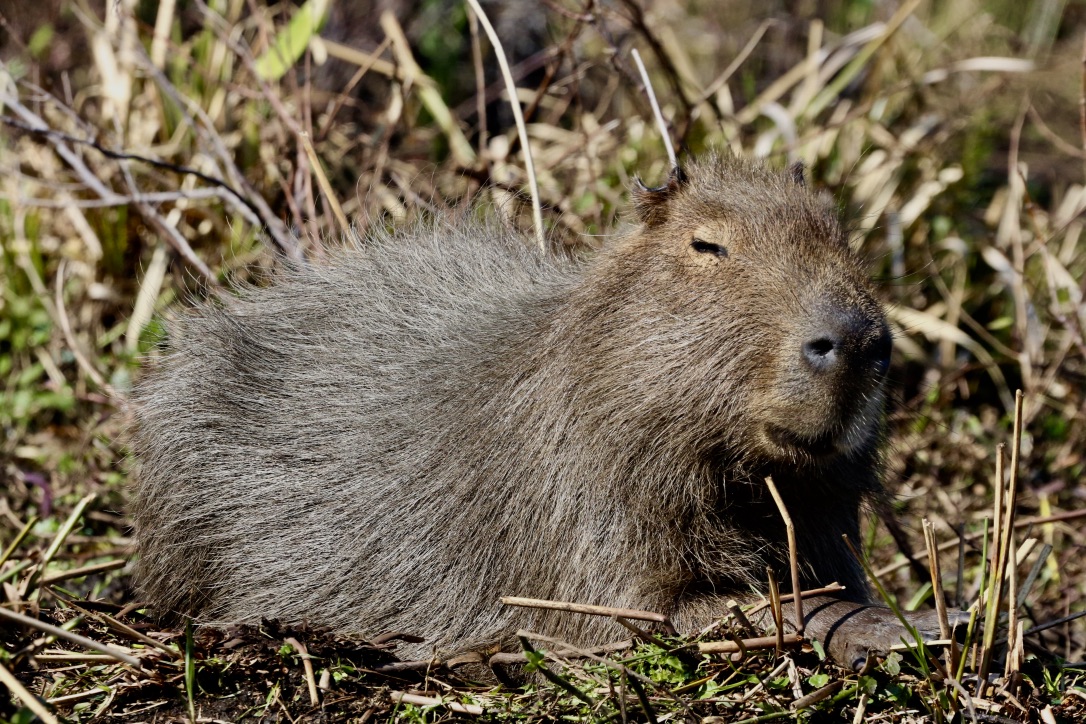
850,631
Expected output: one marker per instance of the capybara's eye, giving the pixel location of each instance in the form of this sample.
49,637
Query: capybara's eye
706,247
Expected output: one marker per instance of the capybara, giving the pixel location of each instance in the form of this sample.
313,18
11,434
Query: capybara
434,417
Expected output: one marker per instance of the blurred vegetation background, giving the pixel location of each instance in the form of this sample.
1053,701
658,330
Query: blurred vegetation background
155,151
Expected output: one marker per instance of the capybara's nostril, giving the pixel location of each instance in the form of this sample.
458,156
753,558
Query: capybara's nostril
822,353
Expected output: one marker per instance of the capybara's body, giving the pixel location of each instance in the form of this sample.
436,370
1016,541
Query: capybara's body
431,419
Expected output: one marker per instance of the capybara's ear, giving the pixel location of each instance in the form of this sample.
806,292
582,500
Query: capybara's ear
798,172
651,204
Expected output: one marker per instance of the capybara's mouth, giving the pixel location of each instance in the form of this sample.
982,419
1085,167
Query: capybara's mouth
792,443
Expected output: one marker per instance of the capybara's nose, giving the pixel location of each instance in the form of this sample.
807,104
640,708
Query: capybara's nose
848,340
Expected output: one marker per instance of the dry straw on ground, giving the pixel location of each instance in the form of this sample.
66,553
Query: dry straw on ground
148,157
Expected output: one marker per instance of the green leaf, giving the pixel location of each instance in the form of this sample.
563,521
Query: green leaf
922,594
39,42
291,41
898,693
892,664
710,689
62,400
20,403
535,660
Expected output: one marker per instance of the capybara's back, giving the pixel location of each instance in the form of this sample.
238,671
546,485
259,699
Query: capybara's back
435,417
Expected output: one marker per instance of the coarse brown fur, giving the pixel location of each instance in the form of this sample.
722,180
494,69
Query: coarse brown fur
443,415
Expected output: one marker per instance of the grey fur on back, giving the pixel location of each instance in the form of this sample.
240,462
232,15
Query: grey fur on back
442,415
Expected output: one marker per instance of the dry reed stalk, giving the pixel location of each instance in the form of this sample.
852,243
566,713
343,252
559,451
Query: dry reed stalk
76,348
721,80
85,570
775,607
936,578
741,618
373,61
518,119
661,124
62,534
1003,533
65,656
401,697
86,694
861,709
1014,628
777,671
640,632
124,630
817,695
21,693
1016,655
779,641
480,87
462,152
18,618
160,39
325,185
793,556
785,597
18,539
307,667
940,598
1061,517
999,505
591,610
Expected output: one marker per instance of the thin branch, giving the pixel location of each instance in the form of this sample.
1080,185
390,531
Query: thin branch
107,195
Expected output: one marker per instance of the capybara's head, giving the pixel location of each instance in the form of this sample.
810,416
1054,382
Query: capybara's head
748,322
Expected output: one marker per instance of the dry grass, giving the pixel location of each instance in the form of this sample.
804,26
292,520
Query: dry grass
147,157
